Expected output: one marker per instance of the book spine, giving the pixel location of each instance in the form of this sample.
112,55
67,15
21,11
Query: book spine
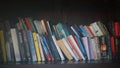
15,44
74,44
3,46
46,52
40,47
69,48
31,45
64,49
59,51
21,46
36,46
26,45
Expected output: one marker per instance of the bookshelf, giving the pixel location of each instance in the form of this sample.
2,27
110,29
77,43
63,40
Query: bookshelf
83,12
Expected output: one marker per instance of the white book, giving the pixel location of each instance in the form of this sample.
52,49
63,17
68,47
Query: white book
94,48
67,45
97,29
86,45
59,50
40,47
76,46
15,44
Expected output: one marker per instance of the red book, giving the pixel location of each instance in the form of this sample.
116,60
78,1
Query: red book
28,24
73,47
116,28
112,41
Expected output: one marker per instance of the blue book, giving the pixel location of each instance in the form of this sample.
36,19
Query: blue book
81,46
31,45
84,30
53,48
45,50
46,43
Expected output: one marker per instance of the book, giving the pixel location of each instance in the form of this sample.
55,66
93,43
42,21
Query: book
40,47
45,50
36,45
44,24
86,45
64,49
2,41
15,44
26,46
103,47
75,47
59,50
45,40
28,24
31,45
53,48
21,42
68,46
116,28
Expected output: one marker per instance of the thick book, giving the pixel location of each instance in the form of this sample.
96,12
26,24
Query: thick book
15,44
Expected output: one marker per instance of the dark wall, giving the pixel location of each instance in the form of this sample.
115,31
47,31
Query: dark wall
83,11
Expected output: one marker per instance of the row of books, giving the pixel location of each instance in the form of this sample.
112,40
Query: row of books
34,40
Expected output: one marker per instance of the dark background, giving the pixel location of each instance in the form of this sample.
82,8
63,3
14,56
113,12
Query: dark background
75,11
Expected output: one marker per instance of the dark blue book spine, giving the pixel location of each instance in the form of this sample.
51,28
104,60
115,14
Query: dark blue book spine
31,45
53,48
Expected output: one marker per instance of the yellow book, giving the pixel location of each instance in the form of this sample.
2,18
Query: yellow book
36,46
3,46
64,49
